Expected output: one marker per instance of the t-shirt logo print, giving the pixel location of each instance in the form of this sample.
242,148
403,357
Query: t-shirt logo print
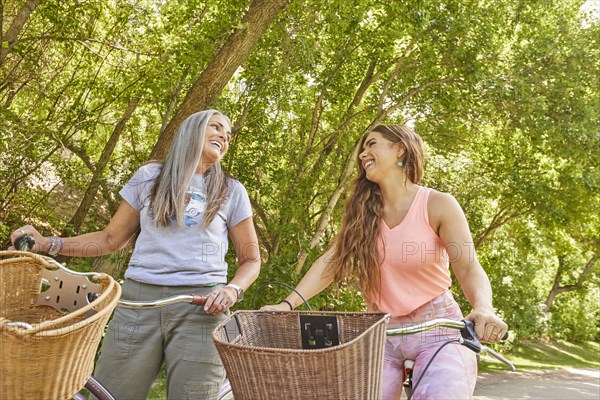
196,204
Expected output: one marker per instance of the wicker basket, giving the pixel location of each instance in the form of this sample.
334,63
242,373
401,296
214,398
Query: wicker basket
266,359
55,357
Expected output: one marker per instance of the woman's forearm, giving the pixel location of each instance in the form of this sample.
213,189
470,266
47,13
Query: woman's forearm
92,244
246,274
314,281
476,286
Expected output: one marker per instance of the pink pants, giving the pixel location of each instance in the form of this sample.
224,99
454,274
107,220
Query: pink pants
453,372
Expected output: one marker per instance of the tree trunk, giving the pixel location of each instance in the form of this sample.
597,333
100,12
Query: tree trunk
222,67
90,194
558,289
324,219
15,28
113,264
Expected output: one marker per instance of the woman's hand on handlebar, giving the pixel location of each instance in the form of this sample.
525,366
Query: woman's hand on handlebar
488,326
220,300
41,243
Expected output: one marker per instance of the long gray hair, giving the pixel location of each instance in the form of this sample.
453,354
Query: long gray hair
168,195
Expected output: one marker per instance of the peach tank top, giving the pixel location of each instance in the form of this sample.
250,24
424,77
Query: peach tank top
414,267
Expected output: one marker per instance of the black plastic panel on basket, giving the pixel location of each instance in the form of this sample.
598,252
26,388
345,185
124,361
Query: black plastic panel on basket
319,331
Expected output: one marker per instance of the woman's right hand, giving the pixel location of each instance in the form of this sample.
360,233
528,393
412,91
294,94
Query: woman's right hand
42,244
276,307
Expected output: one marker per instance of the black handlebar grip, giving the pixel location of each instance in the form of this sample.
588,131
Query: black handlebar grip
24,243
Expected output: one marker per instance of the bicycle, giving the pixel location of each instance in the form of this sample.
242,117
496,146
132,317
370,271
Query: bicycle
72,281
68,291
468,339
255,352
466,328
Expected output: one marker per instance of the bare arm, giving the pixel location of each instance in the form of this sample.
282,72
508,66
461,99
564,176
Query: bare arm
454,231
316,279
119,230
247,253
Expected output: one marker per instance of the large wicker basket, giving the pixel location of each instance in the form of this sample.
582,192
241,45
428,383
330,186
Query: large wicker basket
54,357
266,359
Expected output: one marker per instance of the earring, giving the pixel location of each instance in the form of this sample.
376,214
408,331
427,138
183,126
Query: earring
400,164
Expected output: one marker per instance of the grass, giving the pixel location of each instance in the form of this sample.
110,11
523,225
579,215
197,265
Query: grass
553,354
159,389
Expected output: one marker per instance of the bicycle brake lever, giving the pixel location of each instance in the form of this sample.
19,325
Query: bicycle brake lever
498,357
24,242
470,337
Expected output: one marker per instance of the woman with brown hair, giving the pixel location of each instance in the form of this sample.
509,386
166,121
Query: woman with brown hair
396,243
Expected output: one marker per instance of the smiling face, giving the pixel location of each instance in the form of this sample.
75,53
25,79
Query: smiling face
379,156
216,140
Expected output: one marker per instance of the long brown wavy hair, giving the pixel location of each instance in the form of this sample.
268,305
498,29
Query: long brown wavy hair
355,259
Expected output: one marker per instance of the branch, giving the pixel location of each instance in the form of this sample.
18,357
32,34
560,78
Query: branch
266,238
90,194
370,77
558,289
384,112
8,39
81,153
501,218
586,270
83,42
221,68
324,219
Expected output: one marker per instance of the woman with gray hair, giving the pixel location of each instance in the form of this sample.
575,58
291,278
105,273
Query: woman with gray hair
184,209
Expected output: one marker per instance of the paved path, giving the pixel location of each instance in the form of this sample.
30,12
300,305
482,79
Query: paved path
566,384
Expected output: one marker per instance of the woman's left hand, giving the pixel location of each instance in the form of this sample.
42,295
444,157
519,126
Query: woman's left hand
219,300
488,326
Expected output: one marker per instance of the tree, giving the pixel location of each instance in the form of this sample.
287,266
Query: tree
221,67
503,94
557,288
7,39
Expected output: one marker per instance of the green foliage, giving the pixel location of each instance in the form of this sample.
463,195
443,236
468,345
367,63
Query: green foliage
576,316
503,93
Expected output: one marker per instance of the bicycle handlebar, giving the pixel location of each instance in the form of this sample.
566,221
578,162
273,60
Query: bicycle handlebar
70,282
433,324
467,331
195,299
426,326
24,242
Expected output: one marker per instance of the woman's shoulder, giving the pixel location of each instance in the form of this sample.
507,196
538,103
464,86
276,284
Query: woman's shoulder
234,185
438,197
440,202
150,169
146,173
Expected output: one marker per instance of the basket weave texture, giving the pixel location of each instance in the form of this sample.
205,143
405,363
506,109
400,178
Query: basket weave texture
266,360
55,359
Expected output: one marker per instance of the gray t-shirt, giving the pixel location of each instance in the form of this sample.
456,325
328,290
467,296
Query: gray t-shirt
188,255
